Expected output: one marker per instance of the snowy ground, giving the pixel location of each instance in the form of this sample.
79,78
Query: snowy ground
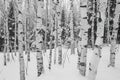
68,71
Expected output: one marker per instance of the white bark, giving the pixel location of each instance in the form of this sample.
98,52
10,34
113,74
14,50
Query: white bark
83,59
39,39
83,35
56,39
114,37
95,59
15,15
20,39
72,32
59,40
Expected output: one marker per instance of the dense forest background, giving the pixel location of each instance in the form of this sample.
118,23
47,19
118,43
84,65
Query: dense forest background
28,26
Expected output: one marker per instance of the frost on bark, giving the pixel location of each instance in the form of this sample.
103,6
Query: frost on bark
83,34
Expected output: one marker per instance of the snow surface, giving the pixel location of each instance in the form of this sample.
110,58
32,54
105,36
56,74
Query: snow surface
68,71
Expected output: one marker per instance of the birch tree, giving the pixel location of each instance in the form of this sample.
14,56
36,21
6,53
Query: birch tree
99,26
39,38
83,34
4,15
115,11
20,11
59,39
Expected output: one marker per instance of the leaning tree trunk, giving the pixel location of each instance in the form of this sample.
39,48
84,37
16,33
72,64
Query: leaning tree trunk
83,34
20,39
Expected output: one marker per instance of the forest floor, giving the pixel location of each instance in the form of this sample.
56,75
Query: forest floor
68,71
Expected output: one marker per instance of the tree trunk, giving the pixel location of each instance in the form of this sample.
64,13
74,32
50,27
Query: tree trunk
15,16
93,65
114,34
72,30
83,34
39,39
59,43
39,63
82,63
51,34
20,40
56,39
99,26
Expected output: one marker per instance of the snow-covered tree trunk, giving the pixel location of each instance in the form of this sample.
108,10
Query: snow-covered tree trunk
83,34
20,4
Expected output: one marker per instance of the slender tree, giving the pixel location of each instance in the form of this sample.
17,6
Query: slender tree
115,16
98,33
4,15
39,38
83,34
20,11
